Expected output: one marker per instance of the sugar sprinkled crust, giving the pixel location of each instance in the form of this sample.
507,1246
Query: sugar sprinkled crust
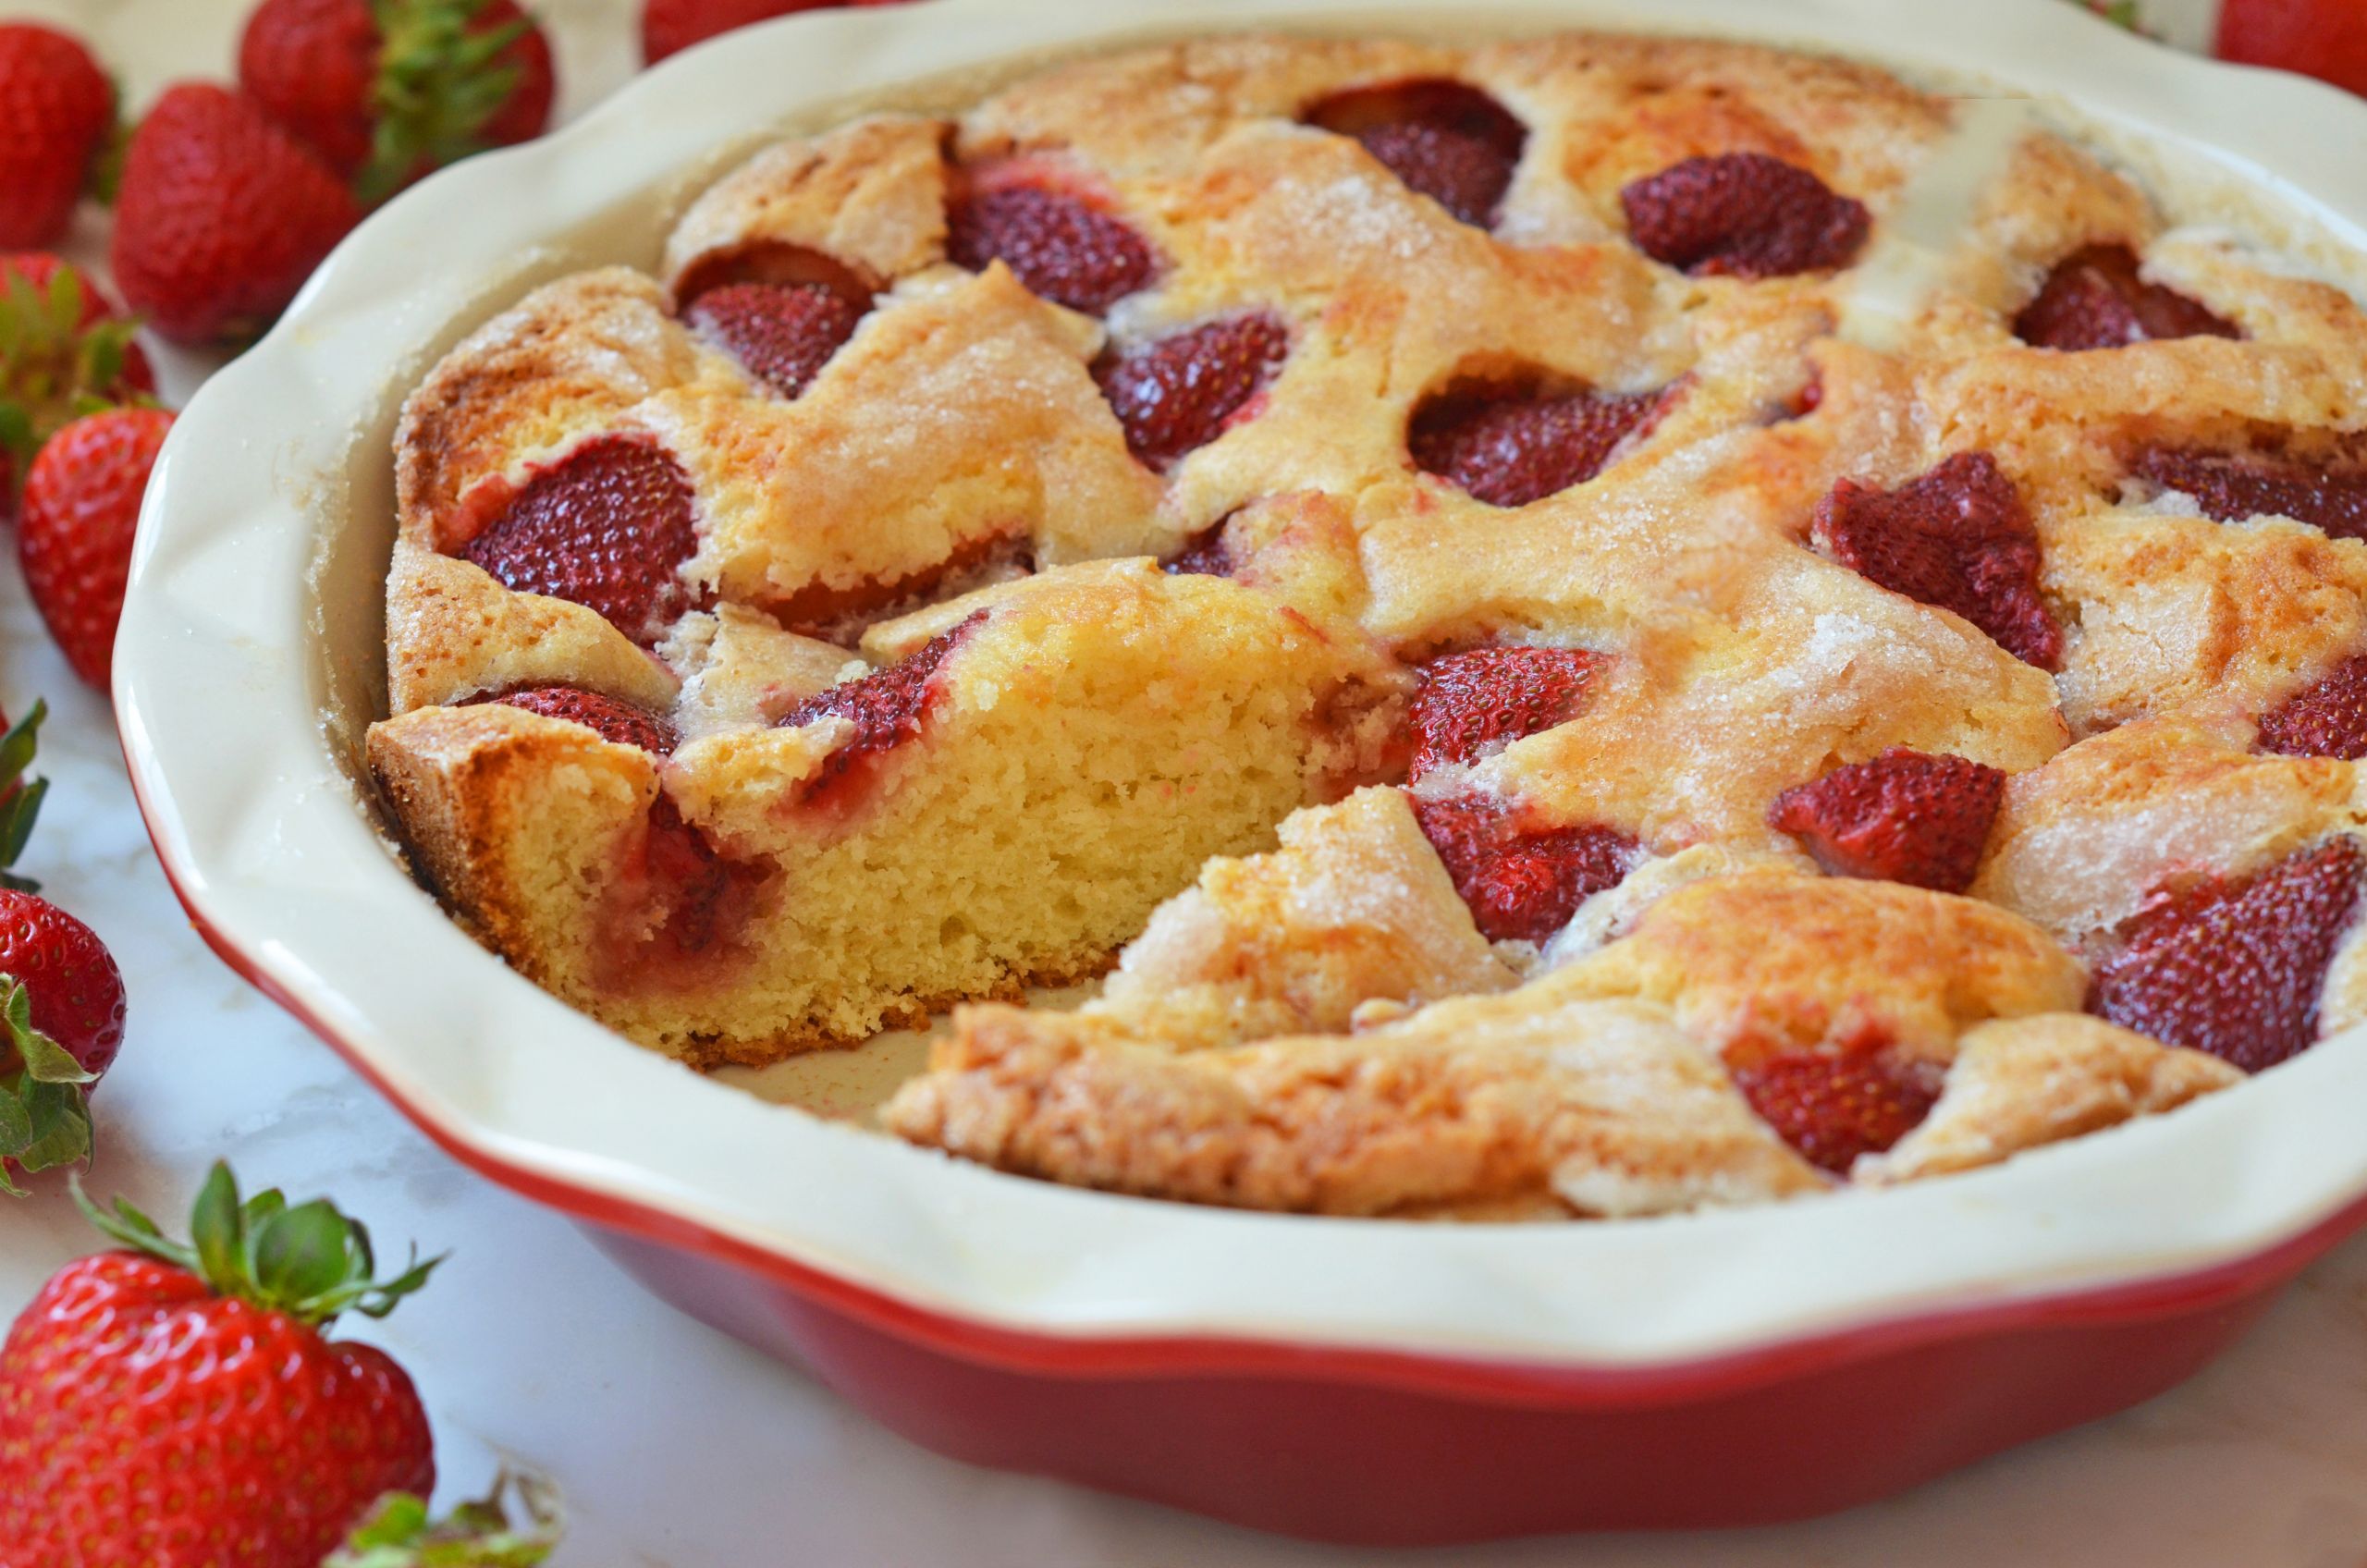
1320,1022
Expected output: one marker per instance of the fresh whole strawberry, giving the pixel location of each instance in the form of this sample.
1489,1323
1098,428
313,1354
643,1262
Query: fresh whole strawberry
179,1404
63,999
1470,704
221,215
2322,38
387,91
65,352
1905,817
607,527
1177,395
1509,447
667,26
56,115
81,513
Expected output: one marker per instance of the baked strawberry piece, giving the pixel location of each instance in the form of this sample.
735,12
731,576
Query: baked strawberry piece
1835,1101
2234,487
782,333
1205,554
1744,214
1523,884
2326,718
1178,394
607,527
2095,299
2234,966
1957,538
1061,246
1471,705
1510,446
1905,817
611,720
885,706
1446,140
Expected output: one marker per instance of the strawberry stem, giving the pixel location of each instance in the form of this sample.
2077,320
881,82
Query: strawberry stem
306,1260
439,85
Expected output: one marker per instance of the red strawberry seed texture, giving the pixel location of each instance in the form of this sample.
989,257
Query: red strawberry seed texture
2326,718
2095,299
1058,246
1522,884
1175,396
2233,489
71,979
2234,967
328,70
620,722
781,333
1743,214
1509,447
608,527
1957,538
1834,1102
221,215
56,108
1446,140
886,706
667,26
1905,817
1469,705
81,513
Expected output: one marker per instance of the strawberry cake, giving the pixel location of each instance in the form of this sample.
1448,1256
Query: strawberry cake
1456,581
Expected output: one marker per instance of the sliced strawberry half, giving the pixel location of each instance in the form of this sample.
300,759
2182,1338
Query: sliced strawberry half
1509,446
1744,214
2095,299
1446,140
607,527
1177,395
1522,884
781,333
1905,817
1061,246
2233,488
1958,538
1835,1101
887,707
2326,718
2234,966
1469,705
622,722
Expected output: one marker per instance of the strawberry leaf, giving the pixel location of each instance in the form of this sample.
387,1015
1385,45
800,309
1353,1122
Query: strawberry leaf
20,800
45,1120
440,83
307,1259
399,1532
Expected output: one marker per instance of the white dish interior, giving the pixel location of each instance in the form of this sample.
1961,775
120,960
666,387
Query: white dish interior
251,662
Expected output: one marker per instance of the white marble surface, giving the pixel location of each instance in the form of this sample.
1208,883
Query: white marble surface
681,1449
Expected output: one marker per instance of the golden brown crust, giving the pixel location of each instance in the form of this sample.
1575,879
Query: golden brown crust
1286,1033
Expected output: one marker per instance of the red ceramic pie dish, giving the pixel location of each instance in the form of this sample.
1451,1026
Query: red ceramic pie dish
1350,1380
